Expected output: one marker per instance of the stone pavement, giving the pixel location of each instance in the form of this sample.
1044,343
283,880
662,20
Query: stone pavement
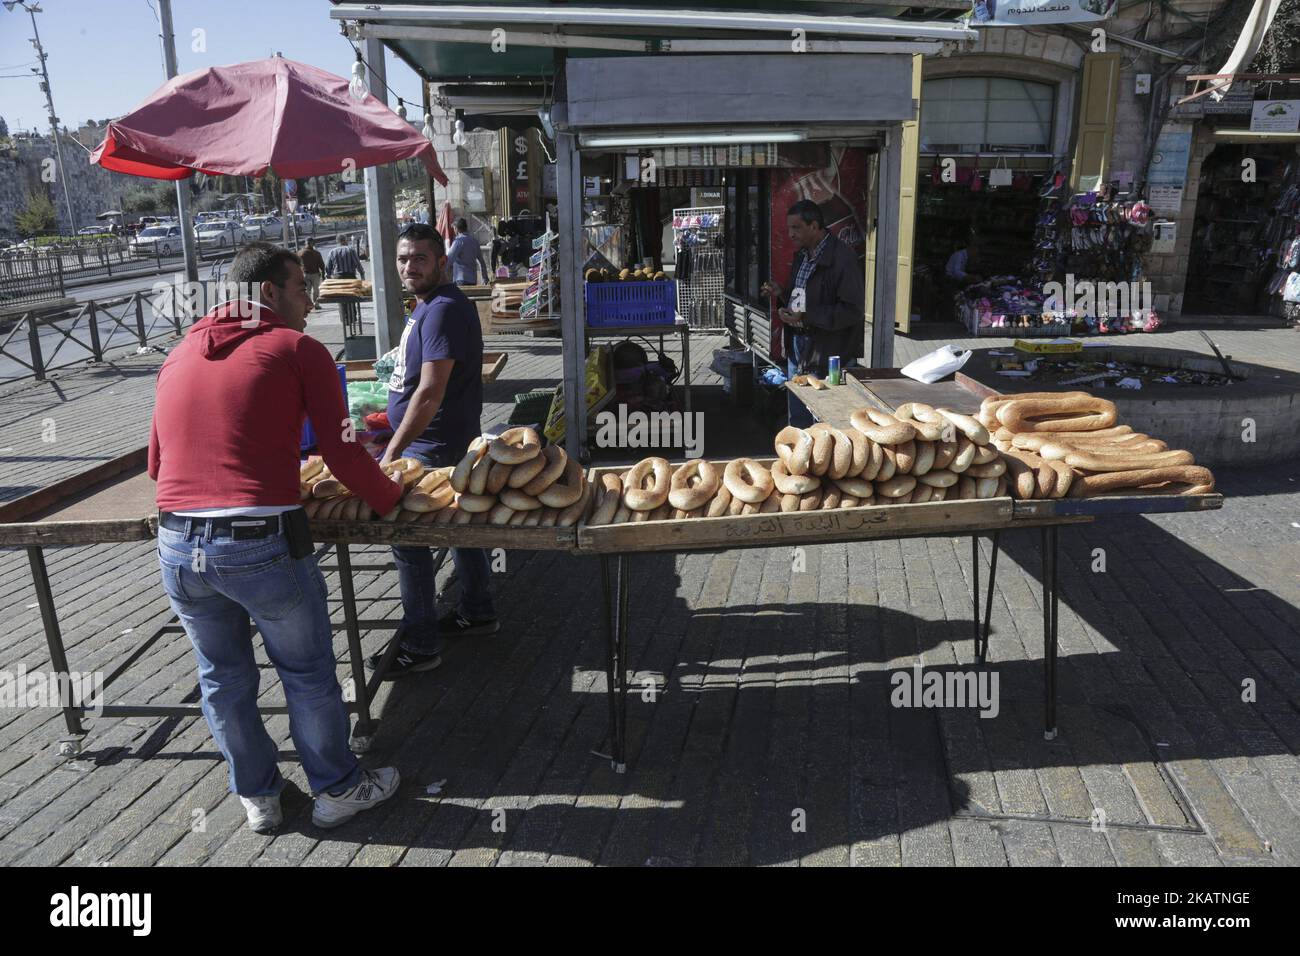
762,731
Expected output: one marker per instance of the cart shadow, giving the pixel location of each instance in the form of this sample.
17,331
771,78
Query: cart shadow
767,709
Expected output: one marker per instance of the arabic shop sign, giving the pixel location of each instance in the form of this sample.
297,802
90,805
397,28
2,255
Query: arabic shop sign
1020,13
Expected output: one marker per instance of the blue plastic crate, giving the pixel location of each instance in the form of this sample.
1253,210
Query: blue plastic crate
611,304
308,440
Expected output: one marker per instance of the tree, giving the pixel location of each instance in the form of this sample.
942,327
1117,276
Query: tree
4,128
38,218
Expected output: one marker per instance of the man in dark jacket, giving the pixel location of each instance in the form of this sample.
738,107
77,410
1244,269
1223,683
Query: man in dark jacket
824,313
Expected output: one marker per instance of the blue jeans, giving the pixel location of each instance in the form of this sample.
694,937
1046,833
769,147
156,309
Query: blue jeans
796,410
415,578
286,598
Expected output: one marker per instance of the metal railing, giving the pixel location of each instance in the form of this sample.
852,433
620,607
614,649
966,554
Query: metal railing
30,279
89,331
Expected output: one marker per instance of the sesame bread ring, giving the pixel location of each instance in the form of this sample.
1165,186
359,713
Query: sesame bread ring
328,488
841,450
514,446
434,478
639,498
408,469
533,518
985,454
771,504
737,506
623,514
475,504
548,517
927,422
965,455
446,515
811,501
611,496
500,514
556,462
790,502
567,490
721,503
905,457
794,447
921,494
823,449
1172,480
986,487
944,453
856,487
861,452
875,458
478,476
522,474
994,469
1096,461
499,475
938,478
895,487
924,457
694,484
882,427
789,484
516,519
747,480
965,488
435,500
311,468
831,498
1032,441
465,517
571,515
1078,414
968,426
888,464
1058,449
518,500
460,474
848,501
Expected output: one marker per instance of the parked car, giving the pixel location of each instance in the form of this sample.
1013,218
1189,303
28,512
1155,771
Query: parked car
219,234
157,240
264,227
92,231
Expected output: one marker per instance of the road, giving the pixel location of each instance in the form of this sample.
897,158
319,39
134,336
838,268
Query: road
54,343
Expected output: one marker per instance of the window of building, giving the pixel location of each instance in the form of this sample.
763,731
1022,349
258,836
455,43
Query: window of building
968,114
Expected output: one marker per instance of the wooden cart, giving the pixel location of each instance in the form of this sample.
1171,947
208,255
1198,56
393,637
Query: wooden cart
114,502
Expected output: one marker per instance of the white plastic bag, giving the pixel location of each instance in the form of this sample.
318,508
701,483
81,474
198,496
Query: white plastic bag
938,364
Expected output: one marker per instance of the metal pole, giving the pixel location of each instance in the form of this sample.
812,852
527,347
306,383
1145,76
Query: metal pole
182,185
886,277
568,176
54,119
389,318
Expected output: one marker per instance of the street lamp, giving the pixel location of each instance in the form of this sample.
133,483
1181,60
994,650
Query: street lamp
32,9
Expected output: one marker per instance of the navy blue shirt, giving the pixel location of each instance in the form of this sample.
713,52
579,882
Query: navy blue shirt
445,327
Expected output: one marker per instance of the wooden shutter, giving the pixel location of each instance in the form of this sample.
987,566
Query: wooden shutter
1096,126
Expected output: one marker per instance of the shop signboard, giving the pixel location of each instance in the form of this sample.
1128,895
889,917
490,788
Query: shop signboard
1167,177
1240,99
1275,116
1022,13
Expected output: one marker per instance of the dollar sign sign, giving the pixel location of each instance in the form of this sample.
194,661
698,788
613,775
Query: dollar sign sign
521,145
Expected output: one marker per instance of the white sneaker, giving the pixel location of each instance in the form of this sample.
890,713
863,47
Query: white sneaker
374,787
264,813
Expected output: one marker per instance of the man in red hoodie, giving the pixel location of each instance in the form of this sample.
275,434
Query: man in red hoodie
232,540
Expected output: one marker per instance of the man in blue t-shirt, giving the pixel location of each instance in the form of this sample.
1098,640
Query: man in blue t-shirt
435,398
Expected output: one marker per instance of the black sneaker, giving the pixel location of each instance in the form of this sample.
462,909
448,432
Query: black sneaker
406,662
456,624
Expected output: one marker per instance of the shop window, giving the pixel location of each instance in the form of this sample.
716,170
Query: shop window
967,114
747,198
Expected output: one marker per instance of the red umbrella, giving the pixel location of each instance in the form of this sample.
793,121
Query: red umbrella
244,119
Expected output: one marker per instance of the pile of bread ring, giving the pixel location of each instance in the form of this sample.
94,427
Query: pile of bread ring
1059,444
916,455
507,480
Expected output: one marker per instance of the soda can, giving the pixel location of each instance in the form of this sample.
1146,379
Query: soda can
834,369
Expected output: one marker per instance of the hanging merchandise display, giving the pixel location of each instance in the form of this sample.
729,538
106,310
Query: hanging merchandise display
700,274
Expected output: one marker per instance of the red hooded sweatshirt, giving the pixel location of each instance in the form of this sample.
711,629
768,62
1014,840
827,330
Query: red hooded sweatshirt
228,415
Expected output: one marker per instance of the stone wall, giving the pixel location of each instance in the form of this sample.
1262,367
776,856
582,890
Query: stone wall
92,188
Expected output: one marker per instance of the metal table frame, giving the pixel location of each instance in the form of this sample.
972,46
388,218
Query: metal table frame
615,573
74,712
680,326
